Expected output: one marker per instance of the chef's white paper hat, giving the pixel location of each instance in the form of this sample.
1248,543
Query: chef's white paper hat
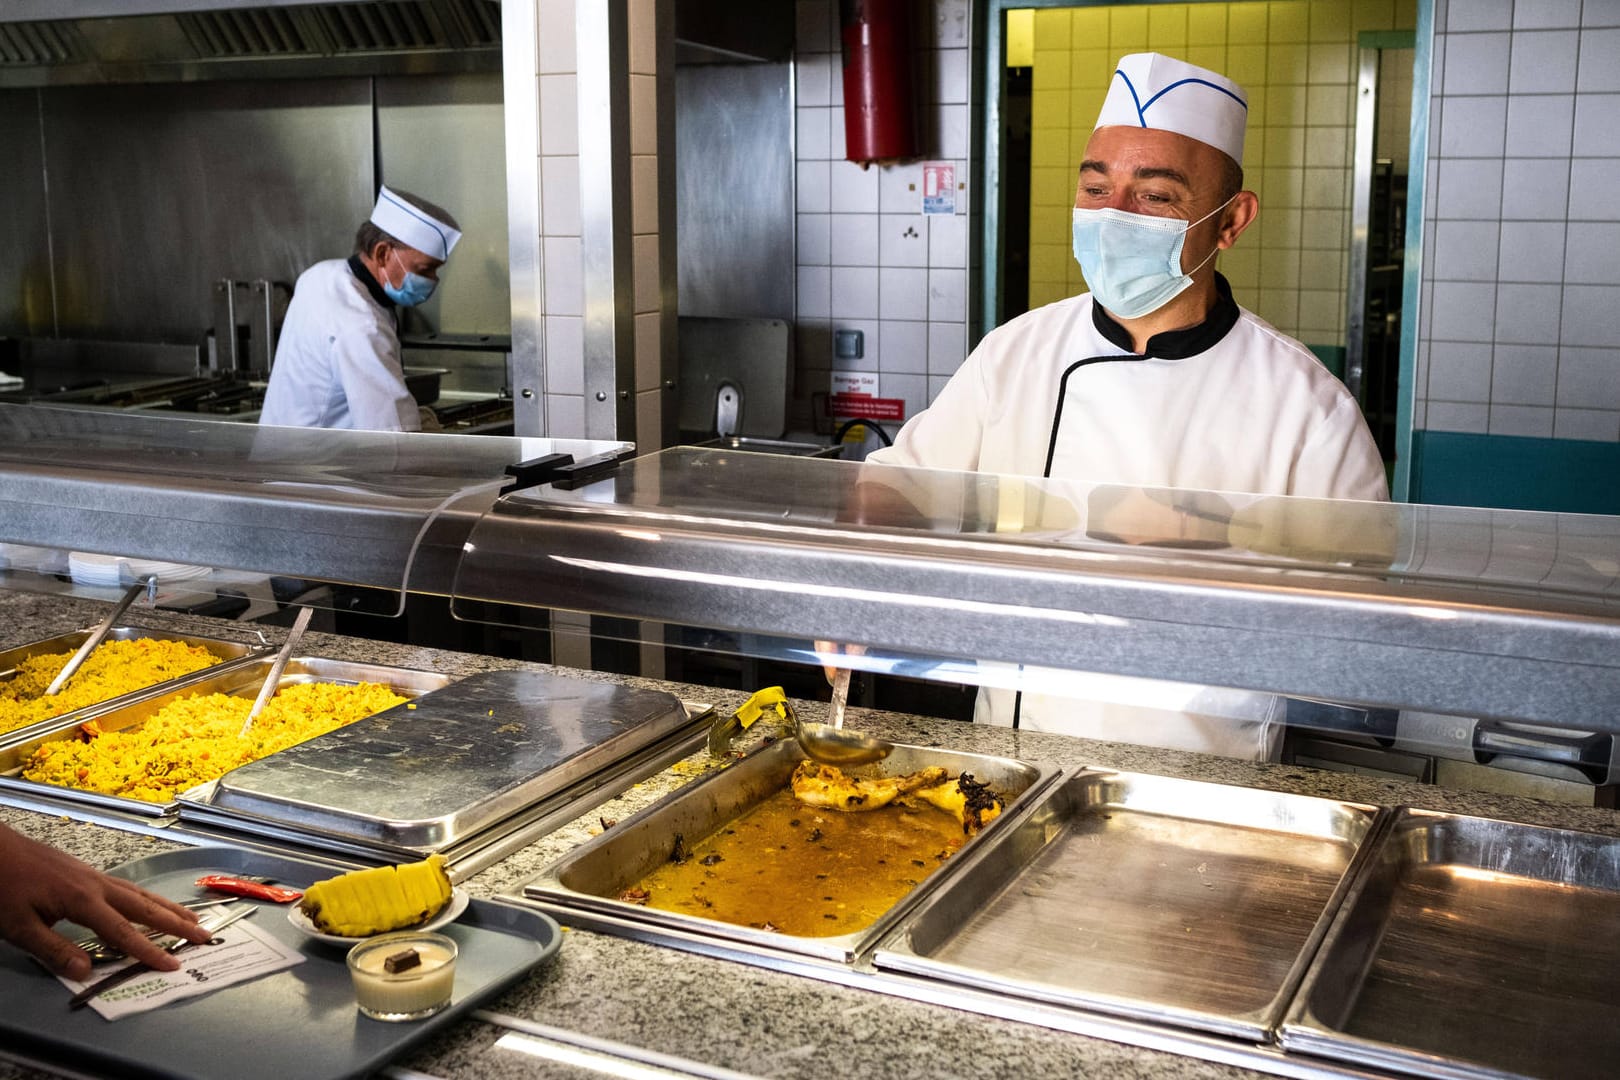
413,226
1150,90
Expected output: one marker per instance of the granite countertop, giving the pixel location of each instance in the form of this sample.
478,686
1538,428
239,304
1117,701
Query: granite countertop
728,1015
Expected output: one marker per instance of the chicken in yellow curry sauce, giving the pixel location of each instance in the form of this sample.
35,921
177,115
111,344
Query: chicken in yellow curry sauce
804,862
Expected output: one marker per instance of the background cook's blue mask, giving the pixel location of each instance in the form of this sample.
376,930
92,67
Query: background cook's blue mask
1132,262
415,289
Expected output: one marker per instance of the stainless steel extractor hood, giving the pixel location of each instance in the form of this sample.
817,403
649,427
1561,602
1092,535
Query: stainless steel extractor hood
96,41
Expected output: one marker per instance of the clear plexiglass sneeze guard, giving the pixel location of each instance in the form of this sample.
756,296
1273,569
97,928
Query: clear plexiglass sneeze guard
95,500
1025,583
1004,582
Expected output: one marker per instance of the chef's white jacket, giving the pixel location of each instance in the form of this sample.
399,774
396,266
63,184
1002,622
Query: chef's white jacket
337,363
1231,405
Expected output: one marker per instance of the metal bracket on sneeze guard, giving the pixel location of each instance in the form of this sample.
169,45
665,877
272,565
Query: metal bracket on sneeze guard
590,470
561,470
535,471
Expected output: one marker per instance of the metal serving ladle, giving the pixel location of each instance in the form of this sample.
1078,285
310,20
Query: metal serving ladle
830,744
273,680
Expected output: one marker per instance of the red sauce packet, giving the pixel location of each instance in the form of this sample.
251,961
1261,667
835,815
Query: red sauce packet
257,890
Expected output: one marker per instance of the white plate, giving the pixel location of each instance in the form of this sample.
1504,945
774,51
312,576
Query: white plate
88,568
447,914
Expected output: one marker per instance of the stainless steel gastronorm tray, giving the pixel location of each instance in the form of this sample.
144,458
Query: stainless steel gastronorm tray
227,652
592,876
1472,948
1173,901
242,679
459,764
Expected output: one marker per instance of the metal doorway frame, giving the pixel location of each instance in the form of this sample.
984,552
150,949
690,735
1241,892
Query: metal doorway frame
1371,46
1412,276
990,87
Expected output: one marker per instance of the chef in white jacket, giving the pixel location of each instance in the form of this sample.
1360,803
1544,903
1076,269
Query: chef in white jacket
337,363
1155,378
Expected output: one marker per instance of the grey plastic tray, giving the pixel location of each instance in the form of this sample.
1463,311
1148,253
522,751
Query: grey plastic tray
299,1023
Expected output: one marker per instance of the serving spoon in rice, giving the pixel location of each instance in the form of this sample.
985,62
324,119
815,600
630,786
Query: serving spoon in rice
272,680
98,635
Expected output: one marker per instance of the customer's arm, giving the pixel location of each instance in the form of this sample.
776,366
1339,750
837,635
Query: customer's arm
43,885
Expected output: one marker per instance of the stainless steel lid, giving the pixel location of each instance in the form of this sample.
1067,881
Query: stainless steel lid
433,772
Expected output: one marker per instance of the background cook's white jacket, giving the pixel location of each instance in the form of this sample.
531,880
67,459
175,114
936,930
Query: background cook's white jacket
1255,412
337,362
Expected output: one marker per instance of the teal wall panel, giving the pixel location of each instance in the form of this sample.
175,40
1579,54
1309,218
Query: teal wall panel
1457,469
1332,357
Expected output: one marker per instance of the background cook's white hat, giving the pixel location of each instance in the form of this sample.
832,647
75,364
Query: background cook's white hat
1150,90
414,226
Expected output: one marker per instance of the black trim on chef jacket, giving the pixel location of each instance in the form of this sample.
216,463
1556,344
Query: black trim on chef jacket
1170,345
358,269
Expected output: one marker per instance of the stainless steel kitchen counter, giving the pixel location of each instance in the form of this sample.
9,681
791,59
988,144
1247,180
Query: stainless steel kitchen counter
730,1016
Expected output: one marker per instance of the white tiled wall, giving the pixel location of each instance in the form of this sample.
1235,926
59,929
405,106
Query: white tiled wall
562,268
652,59
868,259
562,293
1521,326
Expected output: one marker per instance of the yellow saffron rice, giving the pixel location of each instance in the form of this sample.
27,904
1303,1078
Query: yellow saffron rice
196,738
116,667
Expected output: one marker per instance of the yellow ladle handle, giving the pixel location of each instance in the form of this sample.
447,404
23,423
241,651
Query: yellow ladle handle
771,697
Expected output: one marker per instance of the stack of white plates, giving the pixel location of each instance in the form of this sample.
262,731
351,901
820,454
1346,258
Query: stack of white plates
137,569
90,569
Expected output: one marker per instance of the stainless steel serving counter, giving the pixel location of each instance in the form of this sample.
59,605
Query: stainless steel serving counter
608,1004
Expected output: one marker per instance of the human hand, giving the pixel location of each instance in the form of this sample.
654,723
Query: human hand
825,649
44,885
430,420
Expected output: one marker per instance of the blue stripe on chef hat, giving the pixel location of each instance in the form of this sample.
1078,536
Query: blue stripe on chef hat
1150,90
1141,108
411,225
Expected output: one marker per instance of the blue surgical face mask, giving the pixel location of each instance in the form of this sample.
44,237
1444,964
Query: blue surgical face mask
415,289
1132,262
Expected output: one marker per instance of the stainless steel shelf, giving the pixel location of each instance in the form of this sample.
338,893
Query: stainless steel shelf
375,509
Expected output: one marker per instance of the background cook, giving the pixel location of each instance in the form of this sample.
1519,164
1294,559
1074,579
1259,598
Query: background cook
337,363
1155,378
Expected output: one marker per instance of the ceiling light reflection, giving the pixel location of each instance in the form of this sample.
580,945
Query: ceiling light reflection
841,592
542,1041
576,1058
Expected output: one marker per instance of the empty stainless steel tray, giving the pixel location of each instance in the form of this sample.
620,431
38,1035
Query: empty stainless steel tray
1168,900
426,776
241,679
1472,948
591,878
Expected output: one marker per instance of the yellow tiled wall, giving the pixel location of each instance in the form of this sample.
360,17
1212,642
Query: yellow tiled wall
1296,60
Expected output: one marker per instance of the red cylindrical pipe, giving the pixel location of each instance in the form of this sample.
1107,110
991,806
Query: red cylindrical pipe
880,115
